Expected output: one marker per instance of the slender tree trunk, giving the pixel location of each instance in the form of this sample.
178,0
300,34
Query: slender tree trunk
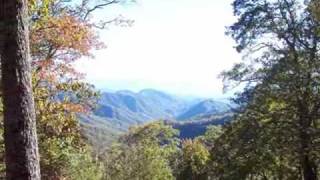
308,168
309,172
21,148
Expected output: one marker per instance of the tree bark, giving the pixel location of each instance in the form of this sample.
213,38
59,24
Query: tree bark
21,147
308,168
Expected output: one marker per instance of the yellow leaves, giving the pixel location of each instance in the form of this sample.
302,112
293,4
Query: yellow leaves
276,105
40,7
55,118
54,122
32,5
56,108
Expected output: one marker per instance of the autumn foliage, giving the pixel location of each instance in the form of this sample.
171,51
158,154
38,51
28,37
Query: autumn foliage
59,36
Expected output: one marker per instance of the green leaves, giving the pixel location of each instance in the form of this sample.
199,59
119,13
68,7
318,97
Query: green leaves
143,153
195,159
273,131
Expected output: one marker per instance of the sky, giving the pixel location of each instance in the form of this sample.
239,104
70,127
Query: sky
177,46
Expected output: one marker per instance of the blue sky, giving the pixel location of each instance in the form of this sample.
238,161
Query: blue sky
178,46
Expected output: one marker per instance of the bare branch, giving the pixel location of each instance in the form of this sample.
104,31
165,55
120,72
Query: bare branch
99,6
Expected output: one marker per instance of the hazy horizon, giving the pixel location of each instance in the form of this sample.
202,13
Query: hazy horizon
182,95
176,46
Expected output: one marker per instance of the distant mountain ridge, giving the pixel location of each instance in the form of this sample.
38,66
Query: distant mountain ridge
205,107
131,108
117,111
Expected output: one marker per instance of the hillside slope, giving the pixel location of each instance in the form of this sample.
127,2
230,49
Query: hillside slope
206,107
120,110
192,128
136,108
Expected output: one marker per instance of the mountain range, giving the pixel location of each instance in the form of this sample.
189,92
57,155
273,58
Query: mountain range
131,108
117,111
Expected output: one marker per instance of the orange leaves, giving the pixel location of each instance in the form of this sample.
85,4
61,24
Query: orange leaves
58,38
66,36
67,33
56,42
72,107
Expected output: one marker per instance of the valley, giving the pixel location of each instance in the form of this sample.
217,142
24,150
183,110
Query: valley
118,111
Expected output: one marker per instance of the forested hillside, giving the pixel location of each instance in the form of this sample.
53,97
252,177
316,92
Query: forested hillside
194,128
129,108
117,112
204,107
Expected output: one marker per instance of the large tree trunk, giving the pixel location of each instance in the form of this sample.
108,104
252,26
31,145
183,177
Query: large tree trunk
21,148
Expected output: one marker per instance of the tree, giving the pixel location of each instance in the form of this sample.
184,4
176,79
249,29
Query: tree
142,154
194,161
282,95
21,146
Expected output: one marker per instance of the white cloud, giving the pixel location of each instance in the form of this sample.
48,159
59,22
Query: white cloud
175,45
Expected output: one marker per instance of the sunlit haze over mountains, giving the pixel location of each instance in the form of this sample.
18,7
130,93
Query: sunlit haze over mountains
177,46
